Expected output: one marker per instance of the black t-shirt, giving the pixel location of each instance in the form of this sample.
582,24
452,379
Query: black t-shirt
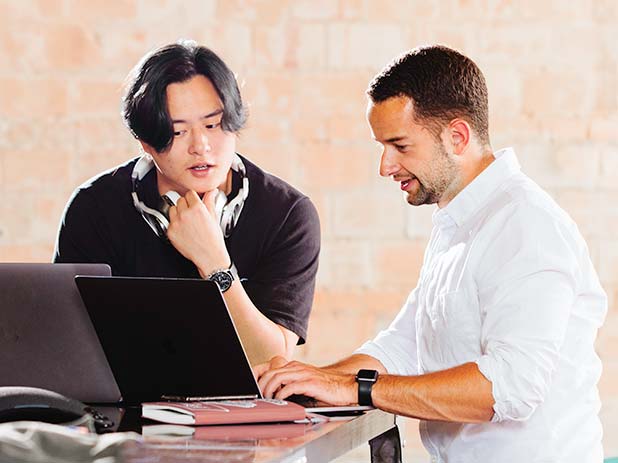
274,245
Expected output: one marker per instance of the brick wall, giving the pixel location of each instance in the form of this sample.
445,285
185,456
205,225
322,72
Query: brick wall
552,72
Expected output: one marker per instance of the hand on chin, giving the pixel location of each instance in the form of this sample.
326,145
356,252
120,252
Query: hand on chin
195,232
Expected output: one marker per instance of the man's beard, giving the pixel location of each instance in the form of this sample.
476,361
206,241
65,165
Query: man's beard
440,175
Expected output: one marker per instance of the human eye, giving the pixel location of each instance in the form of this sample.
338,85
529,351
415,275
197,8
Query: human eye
179,133
213,125
401,148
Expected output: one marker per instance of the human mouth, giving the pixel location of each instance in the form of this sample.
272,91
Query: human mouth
406,184
200,167
201,170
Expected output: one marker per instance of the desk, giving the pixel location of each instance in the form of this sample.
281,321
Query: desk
318,443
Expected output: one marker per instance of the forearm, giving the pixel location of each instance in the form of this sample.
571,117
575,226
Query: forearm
356,362
261,337
460,394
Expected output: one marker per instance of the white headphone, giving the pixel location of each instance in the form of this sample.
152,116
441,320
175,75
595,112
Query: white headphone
227,212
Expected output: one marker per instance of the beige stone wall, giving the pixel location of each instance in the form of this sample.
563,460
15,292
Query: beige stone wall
552,72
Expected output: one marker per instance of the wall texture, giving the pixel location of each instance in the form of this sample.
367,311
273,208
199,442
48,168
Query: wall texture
552,73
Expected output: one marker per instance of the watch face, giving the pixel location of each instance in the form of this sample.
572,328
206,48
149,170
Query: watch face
223,279
367,375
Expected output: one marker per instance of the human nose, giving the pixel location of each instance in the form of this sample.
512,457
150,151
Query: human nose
199,142
388,166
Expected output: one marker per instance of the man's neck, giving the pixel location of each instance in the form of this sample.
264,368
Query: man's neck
469,171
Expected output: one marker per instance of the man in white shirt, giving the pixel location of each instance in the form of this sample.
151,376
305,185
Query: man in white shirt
494,349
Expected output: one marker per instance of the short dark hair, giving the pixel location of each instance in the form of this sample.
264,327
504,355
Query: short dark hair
144,105
443,84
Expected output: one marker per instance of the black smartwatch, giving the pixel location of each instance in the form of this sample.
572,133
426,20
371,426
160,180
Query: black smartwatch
366,379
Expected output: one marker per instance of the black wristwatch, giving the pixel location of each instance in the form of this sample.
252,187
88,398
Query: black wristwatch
366,379
224,277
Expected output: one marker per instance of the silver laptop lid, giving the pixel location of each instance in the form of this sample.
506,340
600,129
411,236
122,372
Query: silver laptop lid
46,337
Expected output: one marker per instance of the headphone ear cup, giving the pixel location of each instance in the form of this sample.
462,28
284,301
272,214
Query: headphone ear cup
230,214
171,198
168,200
157,221
232,210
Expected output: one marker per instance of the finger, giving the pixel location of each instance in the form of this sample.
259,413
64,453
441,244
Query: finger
181,204
282,377
277,365
268,379
295,388
271,381
275,362
267,382
192,198
172,213
312,387
209,200
278,361
260,369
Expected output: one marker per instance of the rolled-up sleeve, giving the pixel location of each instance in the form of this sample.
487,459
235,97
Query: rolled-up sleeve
527,288
395,347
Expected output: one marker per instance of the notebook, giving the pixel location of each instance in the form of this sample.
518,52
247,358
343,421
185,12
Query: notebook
167,338
220,412
46,337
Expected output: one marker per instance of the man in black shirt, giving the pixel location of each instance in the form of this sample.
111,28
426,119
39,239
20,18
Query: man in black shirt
191,207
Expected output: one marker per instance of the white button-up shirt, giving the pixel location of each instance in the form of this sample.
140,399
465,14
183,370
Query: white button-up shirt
506,282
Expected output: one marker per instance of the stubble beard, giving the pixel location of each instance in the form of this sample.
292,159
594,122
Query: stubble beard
440,175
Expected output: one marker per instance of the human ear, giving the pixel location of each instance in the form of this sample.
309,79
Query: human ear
459,133
147,149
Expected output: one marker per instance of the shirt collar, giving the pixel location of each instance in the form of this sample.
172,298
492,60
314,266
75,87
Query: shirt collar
477,192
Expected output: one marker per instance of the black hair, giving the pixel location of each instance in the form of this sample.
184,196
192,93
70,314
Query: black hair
144,105
442,83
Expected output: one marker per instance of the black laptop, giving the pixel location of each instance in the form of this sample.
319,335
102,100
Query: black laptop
168,338
46,337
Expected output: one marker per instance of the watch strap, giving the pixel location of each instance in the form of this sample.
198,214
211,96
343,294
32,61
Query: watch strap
234,271
364,392
365,380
